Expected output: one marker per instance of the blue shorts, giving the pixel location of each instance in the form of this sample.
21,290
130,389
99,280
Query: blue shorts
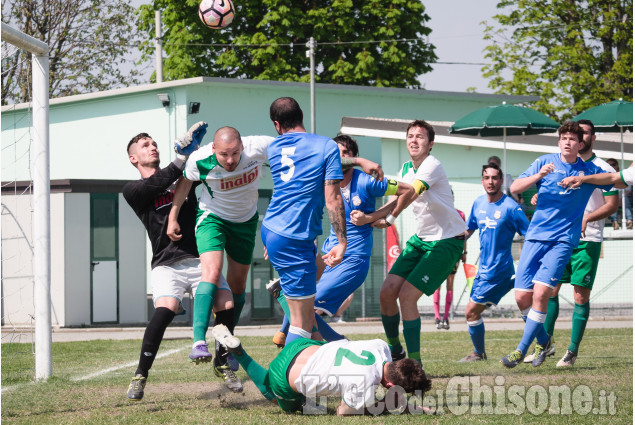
541,262
294,260
336,284
489,292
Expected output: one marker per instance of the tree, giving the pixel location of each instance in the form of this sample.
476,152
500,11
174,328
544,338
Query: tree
573,54
374,42
88,39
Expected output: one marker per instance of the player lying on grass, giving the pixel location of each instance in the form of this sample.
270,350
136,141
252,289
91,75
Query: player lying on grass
307,369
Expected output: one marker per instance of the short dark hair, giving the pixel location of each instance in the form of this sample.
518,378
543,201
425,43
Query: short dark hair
348,142
493,166
496,160
612,161
287,112
135,139
409,375
589,123
422,124
571,127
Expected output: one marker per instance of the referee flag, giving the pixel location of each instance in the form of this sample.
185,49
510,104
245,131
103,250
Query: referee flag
470,273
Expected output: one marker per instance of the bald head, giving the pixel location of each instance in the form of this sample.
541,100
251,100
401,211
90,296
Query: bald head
227,146
226,135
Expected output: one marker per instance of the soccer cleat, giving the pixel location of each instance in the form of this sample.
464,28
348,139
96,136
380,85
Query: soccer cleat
512,360
398,356
568,359
279,339
231,380
135,389
549,352
337,319
473,357
223,336
438,324
445,324
541,352
200,354
274,288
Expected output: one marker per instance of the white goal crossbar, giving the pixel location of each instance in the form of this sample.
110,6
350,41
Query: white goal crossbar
41,197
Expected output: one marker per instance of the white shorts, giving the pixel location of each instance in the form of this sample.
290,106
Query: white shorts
177,279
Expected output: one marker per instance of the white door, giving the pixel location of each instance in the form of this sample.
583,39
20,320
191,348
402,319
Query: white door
104,291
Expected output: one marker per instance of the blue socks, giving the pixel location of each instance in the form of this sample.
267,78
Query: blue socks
296,333
534,328
326,331
476,330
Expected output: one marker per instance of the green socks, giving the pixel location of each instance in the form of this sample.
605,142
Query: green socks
412,335
257,374
203,303
391,328
580,317
553,310
239,303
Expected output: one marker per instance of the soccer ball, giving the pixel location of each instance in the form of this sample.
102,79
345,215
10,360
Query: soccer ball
216,13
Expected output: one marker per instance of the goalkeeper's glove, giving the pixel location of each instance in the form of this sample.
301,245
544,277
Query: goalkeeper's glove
190,141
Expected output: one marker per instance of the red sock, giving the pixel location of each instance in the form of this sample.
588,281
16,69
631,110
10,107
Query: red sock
436,298
448,304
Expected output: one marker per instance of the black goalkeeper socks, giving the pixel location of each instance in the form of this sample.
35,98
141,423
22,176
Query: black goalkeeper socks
152,338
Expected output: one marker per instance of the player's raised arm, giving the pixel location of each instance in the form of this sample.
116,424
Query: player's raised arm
598,179
521,184
367,166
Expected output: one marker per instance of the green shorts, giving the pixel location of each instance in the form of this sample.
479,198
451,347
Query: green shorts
583,265
426,265
215,234
277,379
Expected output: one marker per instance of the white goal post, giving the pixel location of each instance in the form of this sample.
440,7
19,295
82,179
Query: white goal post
41,197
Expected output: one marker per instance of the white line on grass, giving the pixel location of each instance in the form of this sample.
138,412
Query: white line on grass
131,364
101,372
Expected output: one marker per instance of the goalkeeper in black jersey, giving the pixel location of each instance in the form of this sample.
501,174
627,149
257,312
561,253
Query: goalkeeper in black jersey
175,265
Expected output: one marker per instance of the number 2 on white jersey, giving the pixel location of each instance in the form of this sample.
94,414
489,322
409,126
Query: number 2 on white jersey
288,162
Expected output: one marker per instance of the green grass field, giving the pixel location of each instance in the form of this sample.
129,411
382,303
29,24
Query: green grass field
179,392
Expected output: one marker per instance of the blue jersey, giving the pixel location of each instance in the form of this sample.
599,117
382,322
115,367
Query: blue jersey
300,163
558,214
497,223
363,191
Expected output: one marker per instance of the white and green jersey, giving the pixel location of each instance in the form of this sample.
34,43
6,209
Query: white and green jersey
595,229
434,210
230,195
350,369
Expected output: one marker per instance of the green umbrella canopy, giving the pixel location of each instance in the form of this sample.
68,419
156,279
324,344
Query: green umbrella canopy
610,117
503,120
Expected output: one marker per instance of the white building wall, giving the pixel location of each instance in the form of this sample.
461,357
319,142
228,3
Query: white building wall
17,260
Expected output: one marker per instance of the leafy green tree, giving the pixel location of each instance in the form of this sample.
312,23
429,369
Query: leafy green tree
374,42
89,41
573,54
